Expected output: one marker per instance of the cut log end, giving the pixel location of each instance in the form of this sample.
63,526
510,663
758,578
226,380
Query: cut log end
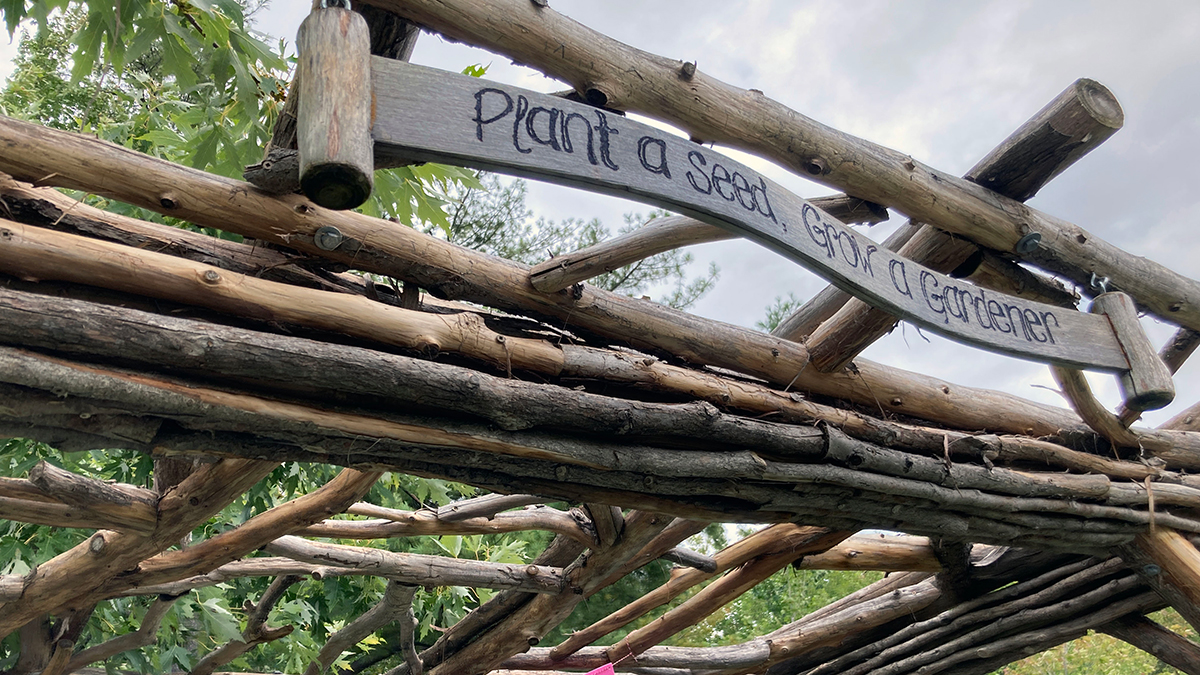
336,186
1100,103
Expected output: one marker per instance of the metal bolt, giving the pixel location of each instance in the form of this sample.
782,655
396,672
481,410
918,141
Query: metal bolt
1029,243
212,276
328,238
1151,570
688,70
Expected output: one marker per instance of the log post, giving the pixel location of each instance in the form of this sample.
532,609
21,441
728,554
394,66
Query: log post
334,122
1147,384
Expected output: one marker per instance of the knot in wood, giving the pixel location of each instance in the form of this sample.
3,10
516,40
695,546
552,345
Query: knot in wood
816,166
168,201
531,570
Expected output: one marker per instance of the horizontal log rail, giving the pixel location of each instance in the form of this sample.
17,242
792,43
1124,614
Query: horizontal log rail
69,160
627,78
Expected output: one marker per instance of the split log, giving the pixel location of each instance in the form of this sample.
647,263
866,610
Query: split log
77,574
422,570
668,234
69,160
257,631
395,605
609,71
1077,121
1152,638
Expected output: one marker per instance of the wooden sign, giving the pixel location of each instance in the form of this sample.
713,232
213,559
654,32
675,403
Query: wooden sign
431,115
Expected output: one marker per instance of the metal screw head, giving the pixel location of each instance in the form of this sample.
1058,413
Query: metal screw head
1152,570
328,238
1029,243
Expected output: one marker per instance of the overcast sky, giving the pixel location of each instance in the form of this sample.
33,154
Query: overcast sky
943,81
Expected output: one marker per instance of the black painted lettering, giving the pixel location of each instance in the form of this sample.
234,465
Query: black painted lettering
1032,321
940,308
997,312
479,121
954,304
892,265
531,126
1046,316
871,248
522,108
605,133
981,316
741,187
758,191
723,177
659,163
842,238
815,230
693,156
566,135
1008,310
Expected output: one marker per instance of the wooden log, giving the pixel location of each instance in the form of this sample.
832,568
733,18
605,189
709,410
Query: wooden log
719,593
45,254
741,656
70,160
423,570
484,507
1152,638
690,558
987,658
85,328
333,126
1077,121
335,496
1147,385
886,553
1173,354
42,512
667,234
415,523
1171,564
76,574
128,505
700,105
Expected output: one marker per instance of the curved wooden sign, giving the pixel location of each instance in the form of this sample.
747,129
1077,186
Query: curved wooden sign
432,115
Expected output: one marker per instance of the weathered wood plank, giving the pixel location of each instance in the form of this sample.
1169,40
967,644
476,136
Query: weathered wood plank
432,115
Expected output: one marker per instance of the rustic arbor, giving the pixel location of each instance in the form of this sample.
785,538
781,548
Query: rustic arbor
1026,525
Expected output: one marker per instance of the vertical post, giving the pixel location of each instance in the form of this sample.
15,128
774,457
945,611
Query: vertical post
333,133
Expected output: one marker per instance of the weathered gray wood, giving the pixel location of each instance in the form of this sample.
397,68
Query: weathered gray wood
432,115
1147,385
333,130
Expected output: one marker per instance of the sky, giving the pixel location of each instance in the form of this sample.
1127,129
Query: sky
942,81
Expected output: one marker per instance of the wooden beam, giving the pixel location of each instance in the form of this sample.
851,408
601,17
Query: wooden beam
629,79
